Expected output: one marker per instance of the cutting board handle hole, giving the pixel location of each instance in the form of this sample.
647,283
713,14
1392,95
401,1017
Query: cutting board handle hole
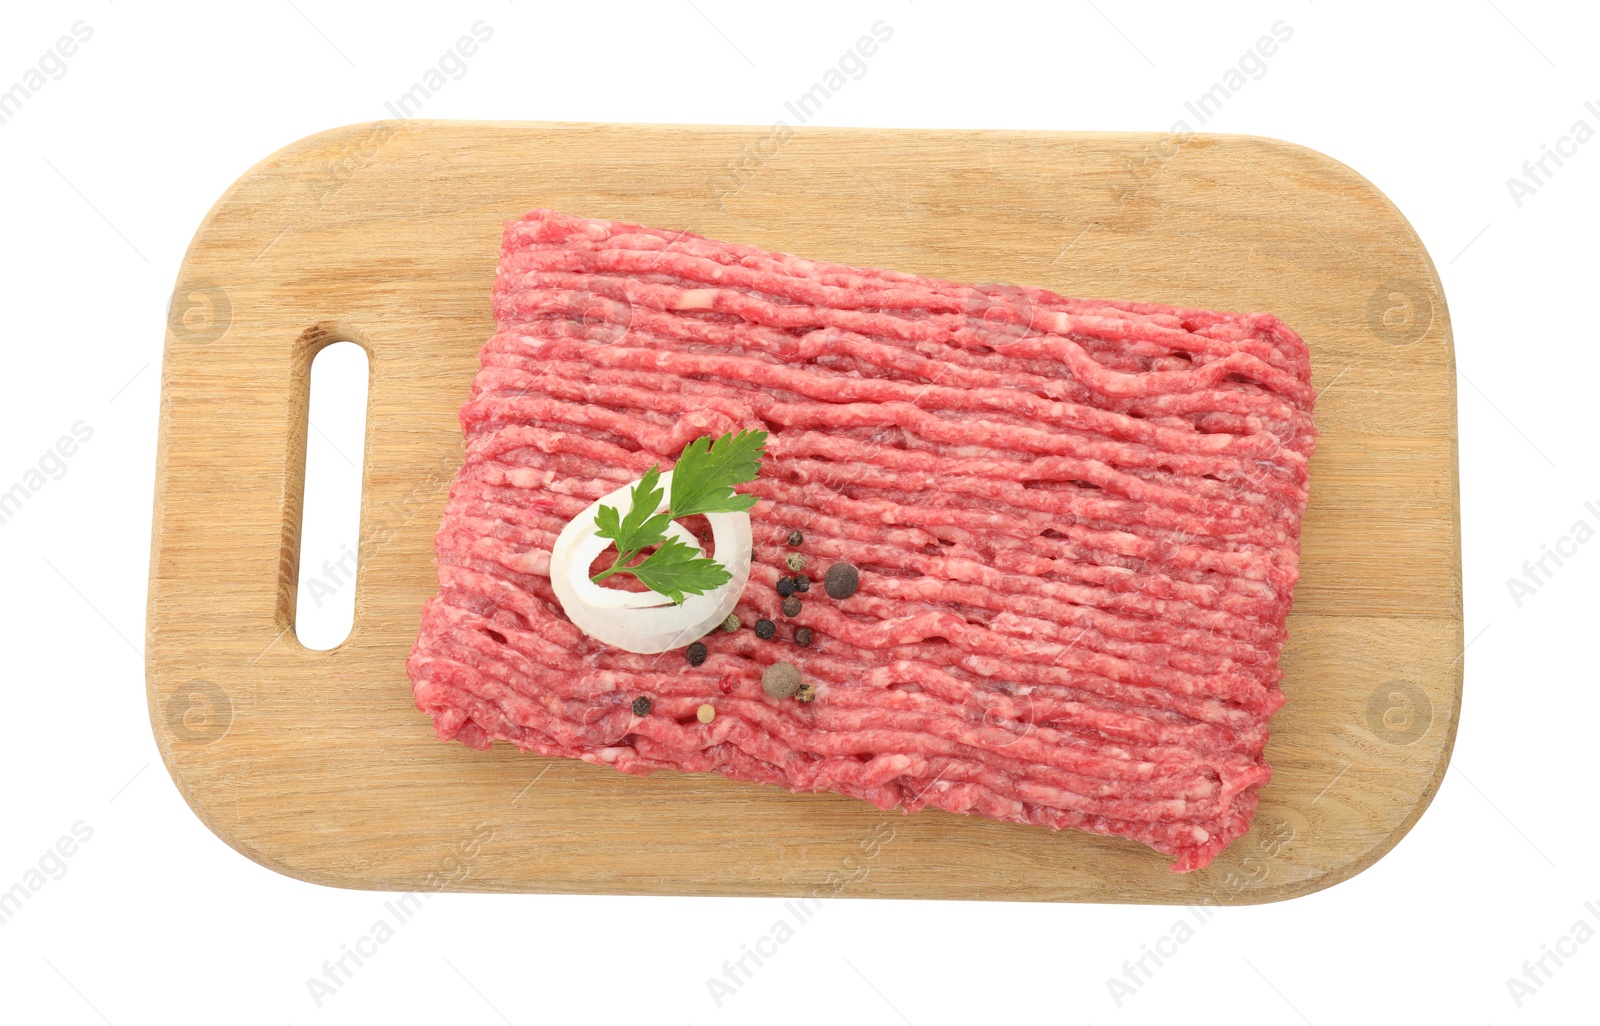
330,520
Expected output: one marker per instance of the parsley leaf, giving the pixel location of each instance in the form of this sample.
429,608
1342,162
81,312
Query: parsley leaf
703,479
702,482
675,569
640,529
643,526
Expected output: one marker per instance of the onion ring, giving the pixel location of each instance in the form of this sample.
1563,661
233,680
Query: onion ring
645,622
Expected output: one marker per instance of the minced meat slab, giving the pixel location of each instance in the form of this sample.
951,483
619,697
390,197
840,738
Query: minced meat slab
1076,523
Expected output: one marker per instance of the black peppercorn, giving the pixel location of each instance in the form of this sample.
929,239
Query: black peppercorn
841,581
795,538
786,586
641,705
802,584
791,606
765,629
802,637
695,653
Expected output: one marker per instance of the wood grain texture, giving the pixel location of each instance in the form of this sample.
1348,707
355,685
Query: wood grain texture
317,765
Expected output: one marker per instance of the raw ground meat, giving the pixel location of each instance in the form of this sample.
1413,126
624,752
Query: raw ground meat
1076,522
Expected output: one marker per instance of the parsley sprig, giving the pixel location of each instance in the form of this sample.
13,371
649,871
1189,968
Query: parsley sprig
702,482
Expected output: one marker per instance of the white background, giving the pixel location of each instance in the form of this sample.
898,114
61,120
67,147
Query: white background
108,170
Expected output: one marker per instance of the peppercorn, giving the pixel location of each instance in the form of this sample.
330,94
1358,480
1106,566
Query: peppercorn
794,561
732,623
841,580
802,584
765,629
780,680
786,586
805,693
641,705
791,606
706,713
802,637
795,538
695,653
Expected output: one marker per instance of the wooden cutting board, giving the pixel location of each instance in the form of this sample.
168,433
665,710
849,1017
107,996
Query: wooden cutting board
317,765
